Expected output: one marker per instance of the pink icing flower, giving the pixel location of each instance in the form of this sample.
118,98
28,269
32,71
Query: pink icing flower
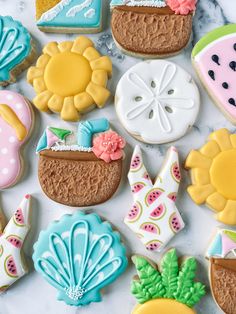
108,146
182,7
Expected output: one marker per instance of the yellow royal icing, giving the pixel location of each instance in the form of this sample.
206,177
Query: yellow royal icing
11,118
70,78
163,306
213,173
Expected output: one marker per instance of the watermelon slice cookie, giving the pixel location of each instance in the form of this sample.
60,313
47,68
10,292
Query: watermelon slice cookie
214,58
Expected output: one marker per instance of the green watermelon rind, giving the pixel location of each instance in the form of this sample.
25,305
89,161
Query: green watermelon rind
139,205
153,241
150,223
160,217
17,223
1,250
231,234
5,267
151,191
213,36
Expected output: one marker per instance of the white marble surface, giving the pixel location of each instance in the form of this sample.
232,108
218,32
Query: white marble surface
32,295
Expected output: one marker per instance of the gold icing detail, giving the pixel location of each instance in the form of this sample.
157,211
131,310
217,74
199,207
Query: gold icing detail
103,63
43,6
65,46
83,101
69,112
98,93
81,44
91,54
51,49
55,103
99,77
41,100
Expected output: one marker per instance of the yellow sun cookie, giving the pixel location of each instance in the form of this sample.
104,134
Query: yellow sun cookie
213,175
70,78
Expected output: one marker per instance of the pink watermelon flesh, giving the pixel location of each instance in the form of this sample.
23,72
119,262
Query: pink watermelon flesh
149,227
137,187
172,196
135,162
158,212
153,246
153,196
19,218
176,172
15,241
10,266
175,223
216,66
134,213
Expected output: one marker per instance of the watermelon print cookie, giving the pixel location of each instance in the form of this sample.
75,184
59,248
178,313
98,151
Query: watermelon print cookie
214,58
16,123
154,217
70,78
222,270
171,289
79,255
12,264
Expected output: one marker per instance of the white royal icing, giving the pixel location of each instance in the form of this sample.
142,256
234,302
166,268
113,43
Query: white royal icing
73,148
77,8
157,100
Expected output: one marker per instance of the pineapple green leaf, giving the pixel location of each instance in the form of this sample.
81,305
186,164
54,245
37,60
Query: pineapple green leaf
139,292
170,270
195,294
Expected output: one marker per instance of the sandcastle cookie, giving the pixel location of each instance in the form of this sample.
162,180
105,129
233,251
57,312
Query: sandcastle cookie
222,272
69,16
214,58
17,51
154,217
70,78
213,174
80,168
16,122
152,29
172,289
157,101
79,255
12,263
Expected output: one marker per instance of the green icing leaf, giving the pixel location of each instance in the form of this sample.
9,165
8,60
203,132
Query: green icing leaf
60,133
185,279
212,36
139,292
230,234
170,270
195,294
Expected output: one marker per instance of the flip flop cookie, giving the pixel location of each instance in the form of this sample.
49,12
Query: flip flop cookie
154,217
16,122
12,263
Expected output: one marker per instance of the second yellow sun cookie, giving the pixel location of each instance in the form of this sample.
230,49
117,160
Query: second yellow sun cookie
70,78
213,175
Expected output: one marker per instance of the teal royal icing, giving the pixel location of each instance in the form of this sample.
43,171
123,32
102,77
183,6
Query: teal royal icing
215,248
14,45
73,13
79,255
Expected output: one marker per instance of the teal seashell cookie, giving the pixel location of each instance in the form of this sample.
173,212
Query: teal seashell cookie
79,255
15,49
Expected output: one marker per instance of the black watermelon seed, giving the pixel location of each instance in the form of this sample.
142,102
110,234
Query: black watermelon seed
211,74
235,46
225,85
233,65
232,102
215,58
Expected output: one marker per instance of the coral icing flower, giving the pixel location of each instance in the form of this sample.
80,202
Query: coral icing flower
182,7
108,146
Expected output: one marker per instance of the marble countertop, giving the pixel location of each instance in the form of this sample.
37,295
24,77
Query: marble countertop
32,295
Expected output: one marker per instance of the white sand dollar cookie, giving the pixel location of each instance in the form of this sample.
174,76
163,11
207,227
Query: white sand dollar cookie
157,101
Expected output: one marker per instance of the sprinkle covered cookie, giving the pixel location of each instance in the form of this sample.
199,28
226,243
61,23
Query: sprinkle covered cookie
79,255
12,264
213,174
70,78
171,289
154,217
69,16
16,49
83,167
16,122
214,58
154,28
222,257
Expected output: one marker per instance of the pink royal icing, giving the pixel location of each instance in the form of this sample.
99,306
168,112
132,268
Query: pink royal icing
108,146
10,162
182,7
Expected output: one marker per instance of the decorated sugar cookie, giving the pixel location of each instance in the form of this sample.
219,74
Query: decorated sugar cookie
157,101
16,122
69,16
222,258
214,58
12,264
154,217
70,78
16,49
171,289
213,174
79,255
153,28
83,167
